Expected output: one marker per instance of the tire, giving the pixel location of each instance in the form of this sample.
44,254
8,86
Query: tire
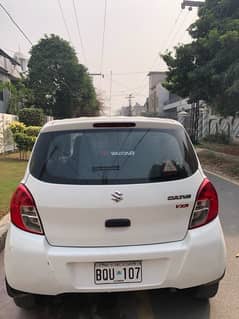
26,301
205,292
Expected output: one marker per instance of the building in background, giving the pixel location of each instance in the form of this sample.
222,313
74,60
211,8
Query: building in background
136,110
22,60
10,71
158,95
198,120
123,111
161,102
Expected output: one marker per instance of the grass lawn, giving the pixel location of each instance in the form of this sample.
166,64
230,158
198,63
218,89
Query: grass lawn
11,172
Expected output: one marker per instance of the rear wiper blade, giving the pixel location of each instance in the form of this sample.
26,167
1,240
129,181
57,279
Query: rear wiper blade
105,168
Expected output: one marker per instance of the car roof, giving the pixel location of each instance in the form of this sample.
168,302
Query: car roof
89,122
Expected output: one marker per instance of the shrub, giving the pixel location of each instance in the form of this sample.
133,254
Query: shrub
17,127
24,142
31,116
24,137
32,130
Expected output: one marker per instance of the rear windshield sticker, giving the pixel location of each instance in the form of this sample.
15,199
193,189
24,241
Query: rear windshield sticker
130,153
169,167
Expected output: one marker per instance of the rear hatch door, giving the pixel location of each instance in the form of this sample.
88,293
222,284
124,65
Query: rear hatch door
86,180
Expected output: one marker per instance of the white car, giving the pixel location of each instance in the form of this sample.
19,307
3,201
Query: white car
113,204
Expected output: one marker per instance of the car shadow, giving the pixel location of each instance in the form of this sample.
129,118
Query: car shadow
180,305
93,306
162,304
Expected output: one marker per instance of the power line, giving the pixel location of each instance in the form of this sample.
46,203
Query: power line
136,95
125,88
129,73
173,28
190,5
64,20
179,15
15,23
103,39
79,31
170,39
120,84
183,34
179,28
142,83
169,35
5,49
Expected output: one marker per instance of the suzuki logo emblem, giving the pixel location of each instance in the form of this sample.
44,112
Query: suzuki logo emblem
117,197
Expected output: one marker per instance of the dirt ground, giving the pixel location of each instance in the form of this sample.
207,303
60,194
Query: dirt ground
223,164
231,149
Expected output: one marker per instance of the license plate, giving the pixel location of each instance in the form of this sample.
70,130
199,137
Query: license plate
118,272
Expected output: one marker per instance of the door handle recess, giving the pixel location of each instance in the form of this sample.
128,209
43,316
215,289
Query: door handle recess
119,222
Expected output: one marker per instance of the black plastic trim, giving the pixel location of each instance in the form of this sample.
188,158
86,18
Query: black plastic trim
119,222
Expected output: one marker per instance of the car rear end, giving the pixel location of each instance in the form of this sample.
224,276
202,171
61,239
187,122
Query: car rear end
113,204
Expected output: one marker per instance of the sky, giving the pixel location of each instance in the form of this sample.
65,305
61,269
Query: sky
136,32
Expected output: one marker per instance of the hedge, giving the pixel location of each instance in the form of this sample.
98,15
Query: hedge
24,142
32,130
17,127
31,116
24,137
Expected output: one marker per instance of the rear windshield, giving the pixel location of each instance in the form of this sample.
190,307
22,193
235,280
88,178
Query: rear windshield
113,156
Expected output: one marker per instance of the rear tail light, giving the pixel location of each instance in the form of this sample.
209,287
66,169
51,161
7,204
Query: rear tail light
23,211
206,205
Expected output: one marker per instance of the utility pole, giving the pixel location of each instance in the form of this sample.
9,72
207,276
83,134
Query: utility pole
92,79
194,116
129,98
110,100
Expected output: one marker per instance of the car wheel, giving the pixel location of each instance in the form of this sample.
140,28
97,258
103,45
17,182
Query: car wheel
26,301
205,291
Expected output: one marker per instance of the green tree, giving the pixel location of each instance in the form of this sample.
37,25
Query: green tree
61,86
19,95
208,68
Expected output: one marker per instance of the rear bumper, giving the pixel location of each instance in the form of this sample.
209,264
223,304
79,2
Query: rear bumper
33,266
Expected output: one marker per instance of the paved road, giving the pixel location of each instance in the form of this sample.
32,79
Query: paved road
157,305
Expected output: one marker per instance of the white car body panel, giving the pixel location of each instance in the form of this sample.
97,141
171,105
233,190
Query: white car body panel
88,122
32,265
81,212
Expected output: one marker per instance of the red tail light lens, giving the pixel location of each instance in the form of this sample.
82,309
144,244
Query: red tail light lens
23,211
206,205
